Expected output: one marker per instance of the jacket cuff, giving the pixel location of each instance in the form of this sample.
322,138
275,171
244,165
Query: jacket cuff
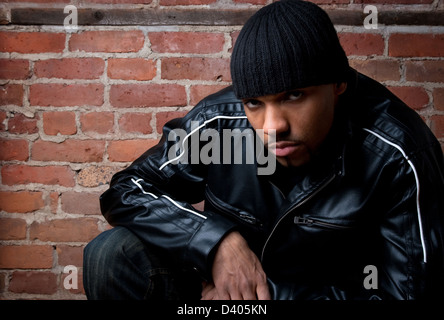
201,247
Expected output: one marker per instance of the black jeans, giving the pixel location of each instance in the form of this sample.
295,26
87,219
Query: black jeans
118,266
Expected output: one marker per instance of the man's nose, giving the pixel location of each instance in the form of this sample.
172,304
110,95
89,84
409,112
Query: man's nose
275,119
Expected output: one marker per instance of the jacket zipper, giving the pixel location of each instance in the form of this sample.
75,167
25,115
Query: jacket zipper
243,216
294,207
309,221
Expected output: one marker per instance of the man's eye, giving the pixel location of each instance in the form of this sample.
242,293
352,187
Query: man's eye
252,104
294,95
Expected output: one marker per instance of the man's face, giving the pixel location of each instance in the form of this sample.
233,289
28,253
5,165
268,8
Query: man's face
301,119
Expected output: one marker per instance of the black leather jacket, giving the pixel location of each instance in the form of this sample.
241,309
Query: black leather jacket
374,196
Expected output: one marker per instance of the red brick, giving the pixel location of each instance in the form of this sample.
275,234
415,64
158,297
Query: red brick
15,149
22,124
81,203
53,201
11,94
120,1
128,150
70,68
33,282
107,41
50,175
69,151
98,122
70,255
215,69
438,98
263,2
184,2
26,257
198,92
415,97
362,44
416,45
394,1
21,201
132,69
12,229
147,95
425,71
381,70
61,95
187,42
2,121
164,117
14,69
63,122
437,125
65,230
136,122
31,42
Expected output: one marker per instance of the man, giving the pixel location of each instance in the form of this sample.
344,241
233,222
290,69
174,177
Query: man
354,209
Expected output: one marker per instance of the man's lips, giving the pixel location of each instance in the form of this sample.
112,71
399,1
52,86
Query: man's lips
284,148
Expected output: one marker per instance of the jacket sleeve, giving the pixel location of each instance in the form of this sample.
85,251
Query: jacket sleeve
153,198
413,228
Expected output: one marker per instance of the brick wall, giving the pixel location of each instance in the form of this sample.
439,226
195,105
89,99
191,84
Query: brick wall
78,106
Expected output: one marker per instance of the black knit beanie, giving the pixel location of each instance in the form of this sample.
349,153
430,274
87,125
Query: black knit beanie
286,45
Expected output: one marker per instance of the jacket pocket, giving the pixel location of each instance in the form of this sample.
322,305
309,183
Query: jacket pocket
230,211
316,222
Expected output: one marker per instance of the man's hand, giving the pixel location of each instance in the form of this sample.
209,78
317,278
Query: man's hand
237,273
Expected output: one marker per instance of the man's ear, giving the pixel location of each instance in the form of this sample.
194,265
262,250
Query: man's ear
340,88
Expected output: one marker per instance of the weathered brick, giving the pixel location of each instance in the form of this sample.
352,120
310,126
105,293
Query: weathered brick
107,41
438,98
164,117
51,175
425,71
60,95
14,69
65,230
3,117
184,2
128,150
21,201
95,176
187,42
136,122
14,149
43,282
12,229
437,126
63,122
21,124
26,257
147,95
98,122
31,42
416,45
11,94
215,69
415,97
380,70
132,69
80,202
362,44
198,92
69,151
70,68
70,255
